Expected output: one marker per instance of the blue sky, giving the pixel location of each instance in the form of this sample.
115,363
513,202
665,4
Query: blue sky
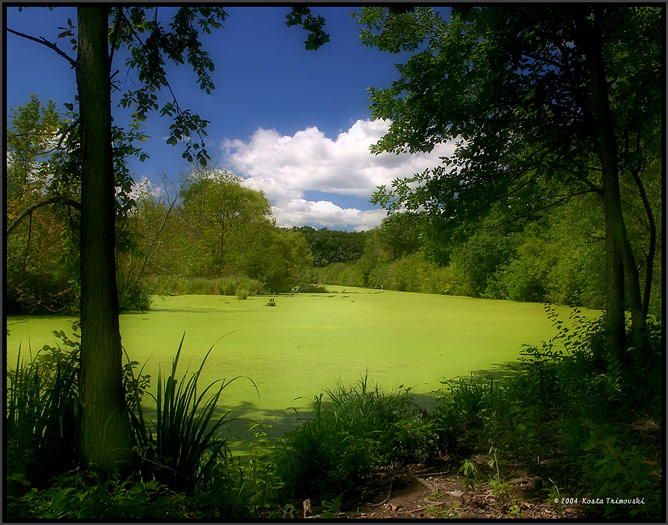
291,122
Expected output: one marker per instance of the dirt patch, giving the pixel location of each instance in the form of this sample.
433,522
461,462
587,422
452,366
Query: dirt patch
439,492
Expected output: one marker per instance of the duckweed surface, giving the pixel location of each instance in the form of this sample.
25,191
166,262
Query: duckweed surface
308,342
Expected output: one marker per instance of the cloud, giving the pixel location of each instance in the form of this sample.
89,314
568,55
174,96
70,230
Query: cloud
285,167
325,213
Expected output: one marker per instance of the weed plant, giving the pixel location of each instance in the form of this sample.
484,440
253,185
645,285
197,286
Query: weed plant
351,433
83,495
187,444
40,414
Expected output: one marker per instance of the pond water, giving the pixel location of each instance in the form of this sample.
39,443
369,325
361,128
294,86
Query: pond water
307,343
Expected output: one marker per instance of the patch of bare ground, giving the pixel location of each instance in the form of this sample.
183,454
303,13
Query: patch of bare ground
439,492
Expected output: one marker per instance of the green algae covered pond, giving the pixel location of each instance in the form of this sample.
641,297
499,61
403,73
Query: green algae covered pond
308,342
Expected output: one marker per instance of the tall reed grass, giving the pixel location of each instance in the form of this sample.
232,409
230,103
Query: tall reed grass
40,415
184,442
201,286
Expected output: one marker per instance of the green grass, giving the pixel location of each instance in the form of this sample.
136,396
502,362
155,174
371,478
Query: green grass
309,342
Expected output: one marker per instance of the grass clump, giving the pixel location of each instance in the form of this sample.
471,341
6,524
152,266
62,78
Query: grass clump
40,414
351,433
187,442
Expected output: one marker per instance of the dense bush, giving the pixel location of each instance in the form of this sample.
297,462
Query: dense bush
351,433
83,495
133,296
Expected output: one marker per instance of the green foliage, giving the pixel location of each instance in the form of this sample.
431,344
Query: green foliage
566,402
416,273
279,260
43,410
479,258
41,414
613,465
467,405
469,473
310,288
83,495
186,446
523,86
350,434
133,296
201,286
301,15
331,246
179,43
220,233
416,438
41,253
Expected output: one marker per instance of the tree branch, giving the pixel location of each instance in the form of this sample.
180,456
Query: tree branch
48,44
30,209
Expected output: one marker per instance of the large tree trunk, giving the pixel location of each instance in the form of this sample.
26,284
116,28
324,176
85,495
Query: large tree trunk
106,439
617,248
649,259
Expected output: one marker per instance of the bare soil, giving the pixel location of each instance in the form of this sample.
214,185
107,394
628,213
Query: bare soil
439,492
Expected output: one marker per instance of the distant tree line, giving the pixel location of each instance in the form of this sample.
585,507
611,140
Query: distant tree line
208,227
557,258
332,246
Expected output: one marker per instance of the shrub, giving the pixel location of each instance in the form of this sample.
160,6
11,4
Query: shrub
83,495
466,406
348,436
567,403
616,468
310,288
133,296
203,286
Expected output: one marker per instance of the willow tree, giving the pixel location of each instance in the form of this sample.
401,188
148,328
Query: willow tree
544,104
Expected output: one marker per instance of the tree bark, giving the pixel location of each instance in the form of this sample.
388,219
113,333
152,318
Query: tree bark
105,439
591,41
649,259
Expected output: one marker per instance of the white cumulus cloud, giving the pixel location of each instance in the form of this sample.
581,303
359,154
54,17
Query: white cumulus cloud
285,167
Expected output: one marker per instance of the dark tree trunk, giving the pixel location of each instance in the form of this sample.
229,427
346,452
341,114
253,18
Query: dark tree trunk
616,242
649,259
106,440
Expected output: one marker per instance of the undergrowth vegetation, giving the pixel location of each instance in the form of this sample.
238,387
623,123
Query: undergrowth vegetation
564,413
350,433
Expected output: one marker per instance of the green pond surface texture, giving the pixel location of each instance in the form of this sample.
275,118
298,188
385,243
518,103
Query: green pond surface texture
307,343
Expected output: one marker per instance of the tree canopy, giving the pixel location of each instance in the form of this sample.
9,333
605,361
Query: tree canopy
542,104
